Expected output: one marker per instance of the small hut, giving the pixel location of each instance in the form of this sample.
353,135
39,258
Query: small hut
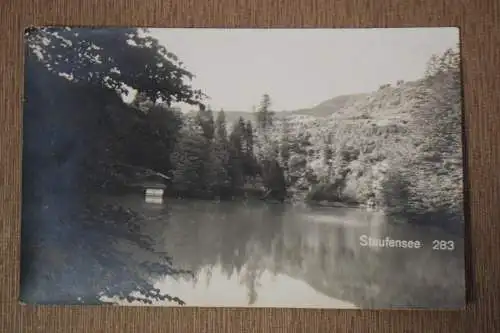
151,182
154,187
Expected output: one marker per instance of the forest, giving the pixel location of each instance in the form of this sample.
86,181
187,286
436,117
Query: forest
398,149
205,157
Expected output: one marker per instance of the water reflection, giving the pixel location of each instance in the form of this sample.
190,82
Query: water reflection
251,254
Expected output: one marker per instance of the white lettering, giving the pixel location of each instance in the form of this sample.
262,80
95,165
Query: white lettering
367,241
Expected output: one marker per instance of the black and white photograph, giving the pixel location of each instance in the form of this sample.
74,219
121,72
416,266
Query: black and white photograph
291,168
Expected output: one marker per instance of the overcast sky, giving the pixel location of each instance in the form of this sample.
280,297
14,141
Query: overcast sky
300,68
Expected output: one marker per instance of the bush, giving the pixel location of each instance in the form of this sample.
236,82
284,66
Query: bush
325,192
395,193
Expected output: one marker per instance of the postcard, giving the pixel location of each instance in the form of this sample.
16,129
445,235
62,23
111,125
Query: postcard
293,168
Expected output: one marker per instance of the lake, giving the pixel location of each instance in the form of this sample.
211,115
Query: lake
277,255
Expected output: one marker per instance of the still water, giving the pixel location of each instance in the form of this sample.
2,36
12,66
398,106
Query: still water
271,255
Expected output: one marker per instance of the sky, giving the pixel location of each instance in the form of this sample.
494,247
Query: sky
300,68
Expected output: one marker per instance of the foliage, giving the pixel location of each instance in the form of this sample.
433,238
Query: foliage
189,157
80,126
399,148
114,60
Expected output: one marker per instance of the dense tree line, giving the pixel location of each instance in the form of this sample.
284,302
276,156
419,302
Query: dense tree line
209,162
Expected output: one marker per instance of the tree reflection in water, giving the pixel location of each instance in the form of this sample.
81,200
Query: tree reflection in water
241,254
253,244
90,253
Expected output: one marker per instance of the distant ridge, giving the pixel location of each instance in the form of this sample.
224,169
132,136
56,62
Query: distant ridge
321,110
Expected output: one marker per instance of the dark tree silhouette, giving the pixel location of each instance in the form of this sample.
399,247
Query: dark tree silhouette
75,121
264,114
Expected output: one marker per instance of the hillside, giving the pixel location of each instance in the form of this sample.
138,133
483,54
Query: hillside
323,109
331,106
398,148
388,109
347,105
